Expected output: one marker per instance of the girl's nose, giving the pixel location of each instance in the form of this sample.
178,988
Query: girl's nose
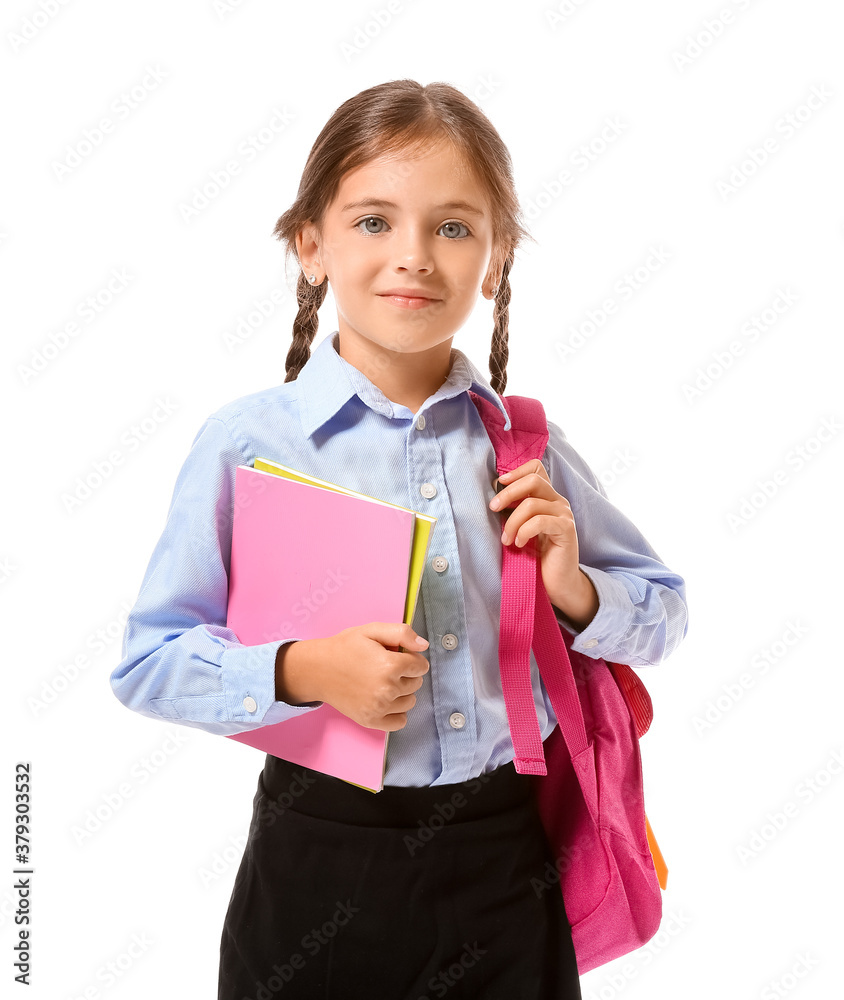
413,250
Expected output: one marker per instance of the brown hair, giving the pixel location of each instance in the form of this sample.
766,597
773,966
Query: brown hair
403,116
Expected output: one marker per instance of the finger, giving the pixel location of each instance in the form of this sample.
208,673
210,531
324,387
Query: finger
415,667
516,524
528,485
523,534
534,465
526,523
531,506
410,685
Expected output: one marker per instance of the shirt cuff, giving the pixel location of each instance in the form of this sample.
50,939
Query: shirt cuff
249,684
612,620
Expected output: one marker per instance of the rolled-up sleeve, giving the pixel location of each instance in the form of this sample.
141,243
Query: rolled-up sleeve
180,661
642,613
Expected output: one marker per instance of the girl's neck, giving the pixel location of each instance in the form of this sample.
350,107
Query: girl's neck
405,378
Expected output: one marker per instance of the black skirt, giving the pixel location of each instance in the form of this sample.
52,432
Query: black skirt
407,894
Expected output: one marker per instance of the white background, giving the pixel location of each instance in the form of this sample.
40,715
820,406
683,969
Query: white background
743,766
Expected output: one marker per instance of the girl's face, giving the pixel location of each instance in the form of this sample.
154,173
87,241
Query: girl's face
418,224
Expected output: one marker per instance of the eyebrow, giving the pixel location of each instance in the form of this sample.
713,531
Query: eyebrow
458,206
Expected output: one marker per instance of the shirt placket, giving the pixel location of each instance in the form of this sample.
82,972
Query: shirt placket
441,594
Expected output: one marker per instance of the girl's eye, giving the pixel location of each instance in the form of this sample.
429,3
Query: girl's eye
452,227
370,218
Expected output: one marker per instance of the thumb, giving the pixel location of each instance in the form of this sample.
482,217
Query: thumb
396,634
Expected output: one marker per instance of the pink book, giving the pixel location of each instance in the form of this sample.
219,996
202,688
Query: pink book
306,563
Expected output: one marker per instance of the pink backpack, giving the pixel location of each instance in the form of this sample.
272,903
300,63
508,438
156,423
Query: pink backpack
588,773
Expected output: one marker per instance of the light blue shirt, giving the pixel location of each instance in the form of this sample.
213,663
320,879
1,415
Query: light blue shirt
181,663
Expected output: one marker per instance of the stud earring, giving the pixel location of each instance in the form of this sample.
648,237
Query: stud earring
312,278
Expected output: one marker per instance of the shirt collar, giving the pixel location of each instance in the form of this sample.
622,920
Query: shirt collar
326,382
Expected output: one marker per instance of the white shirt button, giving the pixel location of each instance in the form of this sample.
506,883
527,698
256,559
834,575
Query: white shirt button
428,490
457,720
449,641
420,422
250,704
440,563
590,643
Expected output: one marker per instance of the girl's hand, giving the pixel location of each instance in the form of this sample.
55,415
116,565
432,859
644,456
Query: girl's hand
542,513
360,671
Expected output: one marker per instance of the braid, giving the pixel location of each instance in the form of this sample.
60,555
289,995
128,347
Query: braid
501,312
310,298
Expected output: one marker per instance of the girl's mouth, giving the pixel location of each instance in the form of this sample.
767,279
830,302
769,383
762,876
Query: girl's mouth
409,301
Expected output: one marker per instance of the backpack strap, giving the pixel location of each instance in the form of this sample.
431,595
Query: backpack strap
527,617
527,439
528,434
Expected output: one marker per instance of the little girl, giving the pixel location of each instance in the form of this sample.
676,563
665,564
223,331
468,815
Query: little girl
407,207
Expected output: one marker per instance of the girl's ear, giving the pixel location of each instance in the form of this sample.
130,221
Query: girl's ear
489,288
307,249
